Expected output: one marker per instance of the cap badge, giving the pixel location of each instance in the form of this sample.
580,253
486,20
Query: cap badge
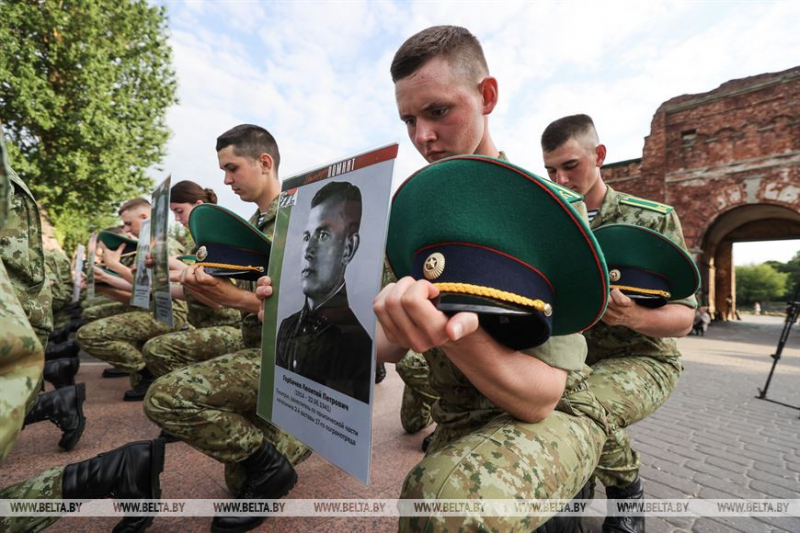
201,254
434,266
614,275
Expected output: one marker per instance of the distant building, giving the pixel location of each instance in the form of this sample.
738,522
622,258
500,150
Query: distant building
729,162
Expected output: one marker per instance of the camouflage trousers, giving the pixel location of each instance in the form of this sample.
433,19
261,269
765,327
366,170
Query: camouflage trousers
630,389
505,459
172,351
45,486
119,339
105,310
212,407
21,363
418,395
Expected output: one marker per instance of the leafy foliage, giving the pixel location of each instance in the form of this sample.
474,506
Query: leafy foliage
84,90
792,268
759,283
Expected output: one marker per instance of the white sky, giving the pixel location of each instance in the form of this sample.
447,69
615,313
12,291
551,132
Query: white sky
750,253
316,74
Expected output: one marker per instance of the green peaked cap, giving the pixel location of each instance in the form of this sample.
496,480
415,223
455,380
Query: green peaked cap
227,244
646,264
499,227
115,240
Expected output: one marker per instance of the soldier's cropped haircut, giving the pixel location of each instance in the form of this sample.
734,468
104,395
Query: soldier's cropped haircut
250,141
461,50
133,204
566,128
347,194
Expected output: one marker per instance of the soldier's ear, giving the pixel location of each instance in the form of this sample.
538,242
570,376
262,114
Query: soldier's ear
350,247
489,94
600,151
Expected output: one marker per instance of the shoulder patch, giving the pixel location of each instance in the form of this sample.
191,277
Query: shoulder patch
568,195
649,205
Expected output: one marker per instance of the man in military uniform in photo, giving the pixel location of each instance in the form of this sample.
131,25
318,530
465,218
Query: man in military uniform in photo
324,341
211,405
632,351
119,339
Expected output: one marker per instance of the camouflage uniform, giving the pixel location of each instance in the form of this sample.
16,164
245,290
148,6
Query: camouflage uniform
23,255
211,405
59,273
119,339
481,452
21,364
105,309
102,306
217,332
632,374
418,395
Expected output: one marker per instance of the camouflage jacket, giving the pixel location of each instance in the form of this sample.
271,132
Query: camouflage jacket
59,273
462,407
251,327
23,255
203,316
618,341
21,354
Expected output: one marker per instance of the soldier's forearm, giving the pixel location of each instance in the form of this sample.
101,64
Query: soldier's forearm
671,320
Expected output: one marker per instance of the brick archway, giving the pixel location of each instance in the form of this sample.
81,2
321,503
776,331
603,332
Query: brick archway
754,222
728,161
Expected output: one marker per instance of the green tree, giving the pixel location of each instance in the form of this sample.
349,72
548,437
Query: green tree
759,283
84,90
792,268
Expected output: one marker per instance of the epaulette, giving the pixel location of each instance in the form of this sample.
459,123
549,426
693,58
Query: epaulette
568,195
649,205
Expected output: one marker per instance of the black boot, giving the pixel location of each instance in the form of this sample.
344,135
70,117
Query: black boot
130,472
426,442
624,523
167,437
380,373
269,476
63,407
138,393
61,372
61,333
61,350
114,372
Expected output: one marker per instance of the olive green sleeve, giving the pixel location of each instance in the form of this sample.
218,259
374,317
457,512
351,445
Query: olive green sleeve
567,352
690,302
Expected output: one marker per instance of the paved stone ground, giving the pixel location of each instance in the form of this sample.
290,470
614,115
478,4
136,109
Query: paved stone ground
712,439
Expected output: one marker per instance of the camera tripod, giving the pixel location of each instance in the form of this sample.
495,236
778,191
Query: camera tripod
792,312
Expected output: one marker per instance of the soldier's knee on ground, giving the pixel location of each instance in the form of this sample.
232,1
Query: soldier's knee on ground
415,412
161,403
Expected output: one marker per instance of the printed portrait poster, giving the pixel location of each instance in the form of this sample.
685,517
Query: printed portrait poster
77,269
91,259
159,223
143,276
318,338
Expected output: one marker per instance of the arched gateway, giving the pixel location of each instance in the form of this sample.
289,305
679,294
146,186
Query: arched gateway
729,162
